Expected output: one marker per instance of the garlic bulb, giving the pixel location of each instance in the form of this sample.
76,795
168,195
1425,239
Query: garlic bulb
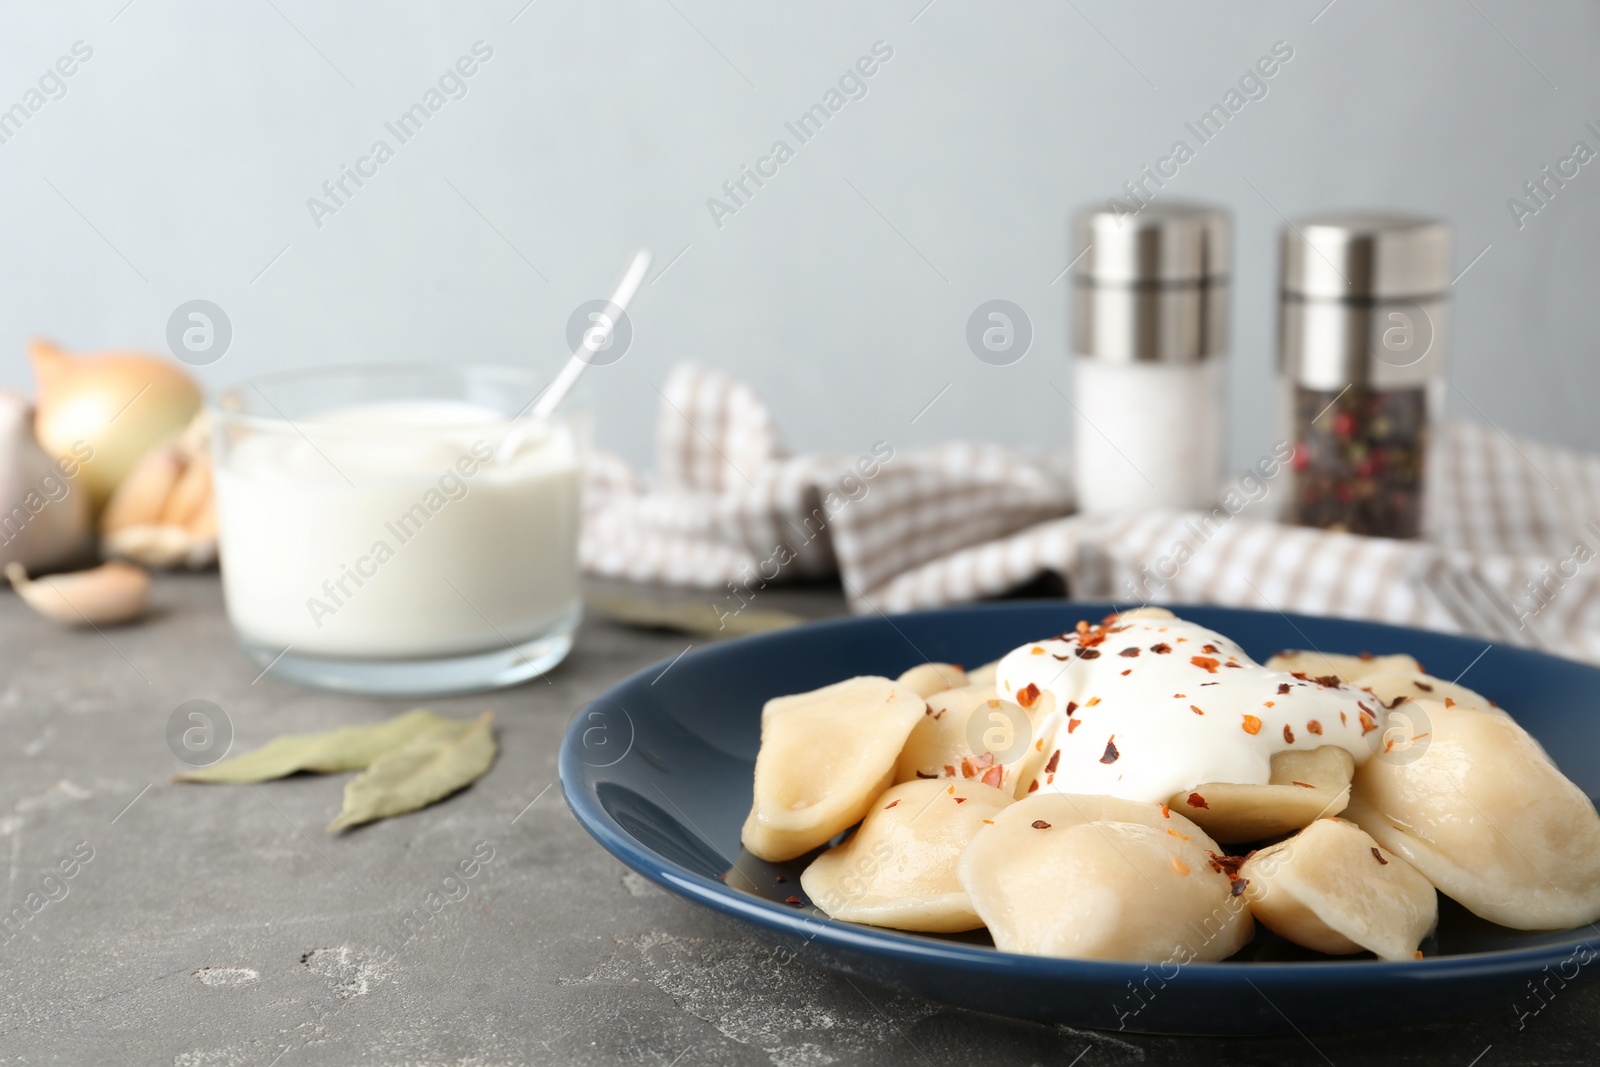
118,405
164,514
109,593
44,513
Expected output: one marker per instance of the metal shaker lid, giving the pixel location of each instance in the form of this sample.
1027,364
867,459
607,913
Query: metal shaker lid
1365,300
1164,242
1366,255
1151,286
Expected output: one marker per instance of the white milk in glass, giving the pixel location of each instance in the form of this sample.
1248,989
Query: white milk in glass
390,530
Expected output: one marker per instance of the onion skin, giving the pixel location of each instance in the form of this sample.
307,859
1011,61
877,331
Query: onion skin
119,404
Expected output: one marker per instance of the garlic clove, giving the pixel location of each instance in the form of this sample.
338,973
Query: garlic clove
143,494
105,412
44,511
110,593
190,494
149,544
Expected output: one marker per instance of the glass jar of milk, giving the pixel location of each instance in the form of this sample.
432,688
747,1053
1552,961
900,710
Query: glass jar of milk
400,528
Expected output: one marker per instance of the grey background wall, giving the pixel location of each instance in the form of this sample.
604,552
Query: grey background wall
179,162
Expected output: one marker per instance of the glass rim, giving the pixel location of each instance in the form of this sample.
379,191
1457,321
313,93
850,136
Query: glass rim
575,404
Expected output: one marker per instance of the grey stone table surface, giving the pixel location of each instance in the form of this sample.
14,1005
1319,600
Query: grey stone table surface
220,925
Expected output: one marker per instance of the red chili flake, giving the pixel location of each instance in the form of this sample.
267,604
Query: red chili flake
1179,866
1111,753
1161,649
1303,785
1252,725
1368,723
792,901
1362,705
1209,648
1231,664
1180,696
1342,720
1365,657
1181,640
1391,705
1027,695
1091,702
1033,785
949,771
921,775
1036,651
1379,856
1072,706
1268,703
939,714
988,822
1299,674
1129,652
1127,672
1237,886
1328,681
1054,656
961,800
1424,686
1166,812
1283,687
994,776
1175,833
1449,702
1288,734
889,805
1040,824
1055,760
1205,663
927,709
1088,653
1314,727
1197,801
1196,710
1072,724
1228,865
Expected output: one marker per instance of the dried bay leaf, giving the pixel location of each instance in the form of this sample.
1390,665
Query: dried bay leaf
352,748
427,768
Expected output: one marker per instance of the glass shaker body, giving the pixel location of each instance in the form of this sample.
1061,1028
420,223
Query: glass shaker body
1147,435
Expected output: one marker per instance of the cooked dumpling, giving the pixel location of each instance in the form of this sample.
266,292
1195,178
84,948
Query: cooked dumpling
824,756
1096,877
984,675
1333,889
1345,668
1485,816
970,733
899,869
1305,787
1390,686
930,678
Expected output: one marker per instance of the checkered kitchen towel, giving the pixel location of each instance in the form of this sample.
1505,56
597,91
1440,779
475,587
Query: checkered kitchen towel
728,510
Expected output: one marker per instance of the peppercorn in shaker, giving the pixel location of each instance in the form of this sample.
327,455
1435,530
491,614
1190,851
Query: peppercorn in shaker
1150,329
1363,336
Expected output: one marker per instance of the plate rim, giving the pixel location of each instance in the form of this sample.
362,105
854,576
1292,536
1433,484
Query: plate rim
910,948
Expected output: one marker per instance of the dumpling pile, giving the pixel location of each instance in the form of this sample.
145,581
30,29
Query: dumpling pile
1143,790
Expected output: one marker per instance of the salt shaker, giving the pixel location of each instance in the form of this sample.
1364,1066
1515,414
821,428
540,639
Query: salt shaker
1150,332
1364,331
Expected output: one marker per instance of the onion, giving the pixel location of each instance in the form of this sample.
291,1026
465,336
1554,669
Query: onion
105,412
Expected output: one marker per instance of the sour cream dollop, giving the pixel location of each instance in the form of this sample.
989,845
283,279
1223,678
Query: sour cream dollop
1146,708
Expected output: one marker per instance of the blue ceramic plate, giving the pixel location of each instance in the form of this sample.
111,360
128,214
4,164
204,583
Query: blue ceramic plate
659,770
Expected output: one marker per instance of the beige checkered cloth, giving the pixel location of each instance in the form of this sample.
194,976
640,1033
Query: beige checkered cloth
905,529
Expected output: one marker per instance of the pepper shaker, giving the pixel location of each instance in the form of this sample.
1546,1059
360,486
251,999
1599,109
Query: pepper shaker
1150,331
1364,332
